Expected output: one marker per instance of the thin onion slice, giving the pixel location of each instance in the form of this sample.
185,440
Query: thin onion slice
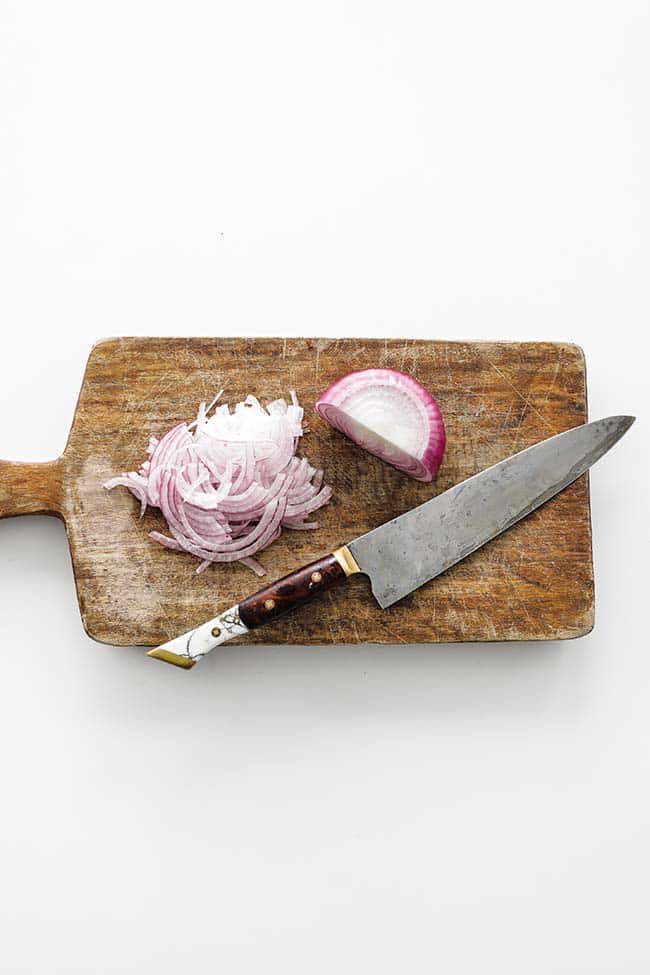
227,484
391,415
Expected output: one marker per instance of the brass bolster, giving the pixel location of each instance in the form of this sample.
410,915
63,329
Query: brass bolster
346,560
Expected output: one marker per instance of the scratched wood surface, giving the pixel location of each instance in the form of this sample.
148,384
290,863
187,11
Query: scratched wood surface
533,583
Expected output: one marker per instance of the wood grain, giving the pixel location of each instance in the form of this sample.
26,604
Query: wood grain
290,592
30,489
533,583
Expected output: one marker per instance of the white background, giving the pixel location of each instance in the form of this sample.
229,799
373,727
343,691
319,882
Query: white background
441,170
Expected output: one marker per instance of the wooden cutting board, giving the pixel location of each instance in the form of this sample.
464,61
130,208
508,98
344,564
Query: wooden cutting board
533,583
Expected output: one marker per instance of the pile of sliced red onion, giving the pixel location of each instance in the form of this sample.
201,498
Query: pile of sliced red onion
391,415
229,486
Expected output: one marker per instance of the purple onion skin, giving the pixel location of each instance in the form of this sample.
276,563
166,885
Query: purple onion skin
331,408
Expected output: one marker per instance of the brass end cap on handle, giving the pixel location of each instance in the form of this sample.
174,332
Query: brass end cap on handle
171,658
346,560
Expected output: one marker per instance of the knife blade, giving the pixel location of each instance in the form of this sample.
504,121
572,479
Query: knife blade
407,552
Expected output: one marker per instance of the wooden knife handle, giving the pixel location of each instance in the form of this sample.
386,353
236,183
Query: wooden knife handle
291,591
262,607
30,489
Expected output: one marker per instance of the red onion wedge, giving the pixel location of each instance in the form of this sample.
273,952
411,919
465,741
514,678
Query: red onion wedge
227,484
391,416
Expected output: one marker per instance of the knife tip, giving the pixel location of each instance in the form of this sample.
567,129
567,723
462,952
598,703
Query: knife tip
624,422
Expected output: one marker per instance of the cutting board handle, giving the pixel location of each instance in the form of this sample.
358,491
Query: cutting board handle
30,489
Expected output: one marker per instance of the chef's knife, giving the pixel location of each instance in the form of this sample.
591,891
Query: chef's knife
408,551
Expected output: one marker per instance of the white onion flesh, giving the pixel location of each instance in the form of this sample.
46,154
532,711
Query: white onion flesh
391,415
227,484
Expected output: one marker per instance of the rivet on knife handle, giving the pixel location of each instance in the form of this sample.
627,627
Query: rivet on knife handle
281,596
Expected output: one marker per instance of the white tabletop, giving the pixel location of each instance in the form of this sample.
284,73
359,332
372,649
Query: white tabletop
435,170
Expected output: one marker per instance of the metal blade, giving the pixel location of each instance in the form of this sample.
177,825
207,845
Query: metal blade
403,554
